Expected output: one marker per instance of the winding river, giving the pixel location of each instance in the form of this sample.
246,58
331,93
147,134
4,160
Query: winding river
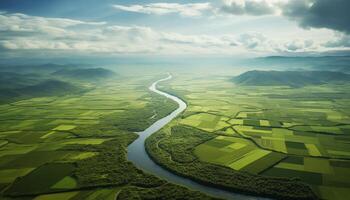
139,157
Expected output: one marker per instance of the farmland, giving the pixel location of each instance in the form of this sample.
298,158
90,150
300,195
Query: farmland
175,100
280,141
280,134
73,146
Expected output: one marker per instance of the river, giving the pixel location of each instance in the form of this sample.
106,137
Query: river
139,157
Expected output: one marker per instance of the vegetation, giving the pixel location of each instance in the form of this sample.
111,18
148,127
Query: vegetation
89,74
150,114
173,151
74,146
33,87
290,78
43,177
42,81
26,69
326,63
166,191
298,134
287,140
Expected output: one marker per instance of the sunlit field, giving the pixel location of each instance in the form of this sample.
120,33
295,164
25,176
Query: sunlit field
275,131
174,100
69,146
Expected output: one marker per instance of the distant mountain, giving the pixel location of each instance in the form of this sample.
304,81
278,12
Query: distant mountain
92,74
41,89
13,80
49,88
38,69
289,78
323,63
25,84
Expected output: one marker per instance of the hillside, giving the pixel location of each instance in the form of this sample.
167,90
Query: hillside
38,69
49,88
90,74
13,80
41,89
289,78
26,84
323,63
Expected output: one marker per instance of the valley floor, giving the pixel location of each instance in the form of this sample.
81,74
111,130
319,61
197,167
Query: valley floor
282,142
246,137
74,146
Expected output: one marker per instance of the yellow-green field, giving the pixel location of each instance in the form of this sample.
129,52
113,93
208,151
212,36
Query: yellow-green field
33,131
74,147
272,131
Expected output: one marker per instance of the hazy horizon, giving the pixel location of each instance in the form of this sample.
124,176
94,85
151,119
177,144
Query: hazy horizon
170,100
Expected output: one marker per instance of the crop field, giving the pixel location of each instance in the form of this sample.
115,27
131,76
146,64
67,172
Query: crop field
175,100
108,194
274,131
237,153
73,146
34,131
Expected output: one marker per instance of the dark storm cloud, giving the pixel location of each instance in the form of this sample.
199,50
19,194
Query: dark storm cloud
332,14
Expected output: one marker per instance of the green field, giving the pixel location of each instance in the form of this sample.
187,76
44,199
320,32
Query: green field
74,146
175,100
273,131
277,141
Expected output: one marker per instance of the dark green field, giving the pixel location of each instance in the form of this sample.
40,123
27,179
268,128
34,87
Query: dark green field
72,145
261,129
175,100
264,138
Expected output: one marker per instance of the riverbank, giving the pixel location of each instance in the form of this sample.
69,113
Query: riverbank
138,155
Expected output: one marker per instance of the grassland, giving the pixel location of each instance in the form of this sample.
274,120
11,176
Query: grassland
280,134
74,146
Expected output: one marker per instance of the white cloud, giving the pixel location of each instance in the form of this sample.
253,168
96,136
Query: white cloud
297,45
22,22
28,44
23,32
18,23
252,40
340,40
252,7
188,10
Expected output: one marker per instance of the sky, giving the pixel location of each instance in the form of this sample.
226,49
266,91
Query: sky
237,28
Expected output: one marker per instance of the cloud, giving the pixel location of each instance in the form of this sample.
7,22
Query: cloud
187,10
25,33
340,40
331,14
252,40
298,45
27,44
21,24
251,7
257,42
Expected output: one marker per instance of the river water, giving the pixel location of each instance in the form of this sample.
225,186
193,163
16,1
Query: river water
139,157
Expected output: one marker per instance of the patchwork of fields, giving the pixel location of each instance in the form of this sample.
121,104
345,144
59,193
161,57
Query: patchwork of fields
74,146
35,132
274,131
